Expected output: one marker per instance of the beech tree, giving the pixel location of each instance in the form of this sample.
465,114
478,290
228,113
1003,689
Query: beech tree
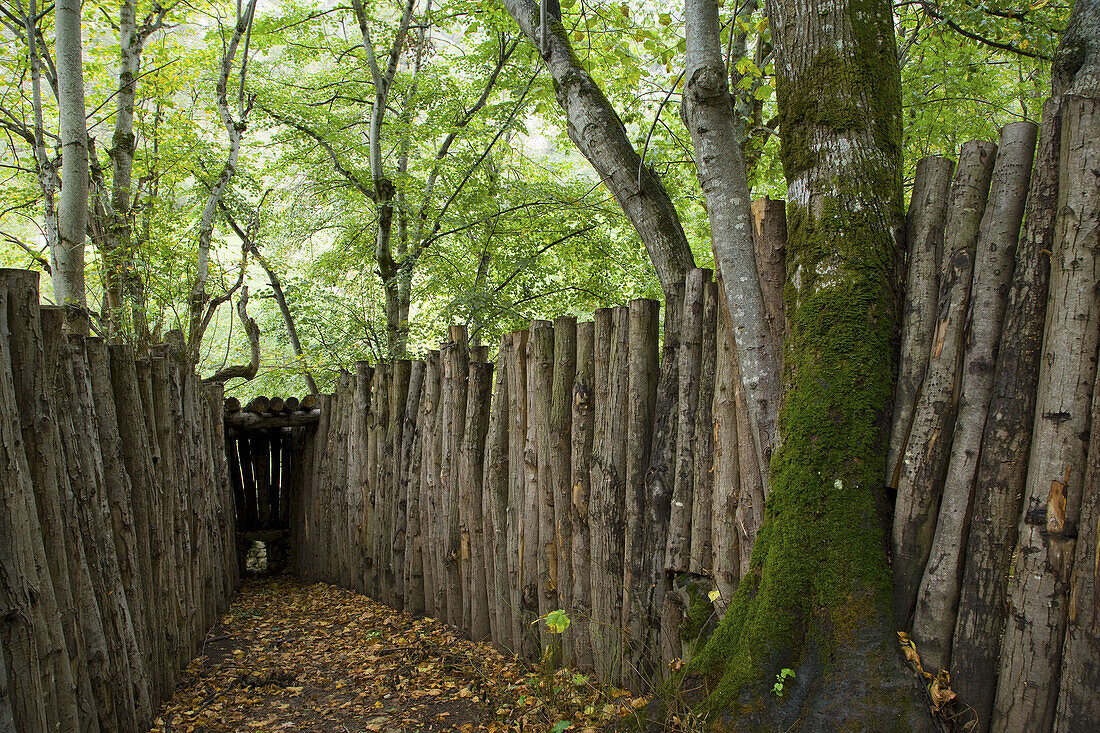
818,587
72,210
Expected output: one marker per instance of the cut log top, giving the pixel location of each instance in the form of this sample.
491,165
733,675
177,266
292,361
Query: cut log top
258,420
275,405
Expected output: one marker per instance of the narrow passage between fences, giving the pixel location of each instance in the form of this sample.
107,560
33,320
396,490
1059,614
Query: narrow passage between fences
291,656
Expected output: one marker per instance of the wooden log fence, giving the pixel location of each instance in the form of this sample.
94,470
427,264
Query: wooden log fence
117,522
595,470
493,494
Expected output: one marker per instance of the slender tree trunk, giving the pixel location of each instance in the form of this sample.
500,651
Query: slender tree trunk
1006,440
72,215
721,169
602,138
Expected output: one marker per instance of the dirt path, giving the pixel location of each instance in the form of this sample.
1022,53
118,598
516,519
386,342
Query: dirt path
292,657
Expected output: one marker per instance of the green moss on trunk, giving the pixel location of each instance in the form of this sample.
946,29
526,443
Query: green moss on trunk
816,598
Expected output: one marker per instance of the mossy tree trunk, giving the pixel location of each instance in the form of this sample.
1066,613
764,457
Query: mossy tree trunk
816,598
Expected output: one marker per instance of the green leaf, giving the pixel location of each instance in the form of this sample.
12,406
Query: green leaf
557,621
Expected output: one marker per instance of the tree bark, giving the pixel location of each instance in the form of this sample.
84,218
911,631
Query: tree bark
924,231
710,118
608,492
541,373
816,595
1038,591
496,495
1078,706
28,659
769,237
72,214
411,456
580,457
661,476
559,443
456,365
925,457
429,478
938,596
641,404
727,475
599,134
33,386
687,406
476,601
288,318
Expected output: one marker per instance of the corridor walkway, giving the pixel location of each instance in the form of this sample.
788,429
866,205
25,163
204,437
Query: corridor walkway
294,657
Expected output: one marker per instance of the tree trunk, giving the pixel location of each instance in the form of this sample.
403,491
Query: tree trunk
561,416
288,319
661,476
496,496
924,229
1078,704
32,379
702,510
687,407
641,404
721,169
429,478
541,375
530,500
456,366
816,598
412,442
29,659
601,137
72,215
584,403
604,523
727,476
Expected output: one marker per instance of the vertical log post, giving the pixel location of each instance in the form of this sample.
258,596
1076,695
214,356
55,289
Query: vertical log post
541,374
642,374
925,455
1006,440
496,506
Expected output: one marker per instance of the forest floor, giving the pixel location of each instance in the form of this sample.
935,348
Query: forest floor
295,657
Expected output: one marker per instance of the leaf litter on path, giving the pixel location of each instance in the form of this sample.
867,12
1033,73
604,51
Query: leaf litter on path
294,657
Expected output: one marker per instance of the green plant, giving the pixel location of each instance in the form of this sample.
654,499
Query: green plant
781,680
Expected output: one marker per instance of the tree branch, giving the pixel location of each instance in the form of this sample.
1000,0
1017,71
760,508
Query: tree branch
243,371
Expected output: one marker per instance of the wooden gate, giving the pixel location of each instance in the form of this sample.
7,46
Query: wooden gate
261,449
